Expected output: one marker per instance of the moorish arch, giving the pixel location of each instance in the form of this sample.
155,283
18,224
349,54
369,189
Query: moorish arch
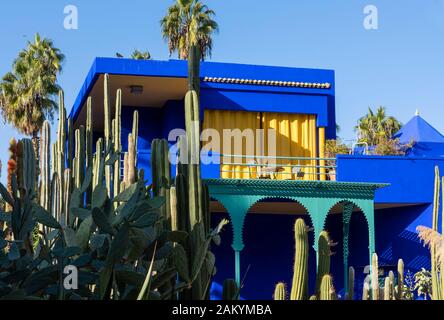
237,196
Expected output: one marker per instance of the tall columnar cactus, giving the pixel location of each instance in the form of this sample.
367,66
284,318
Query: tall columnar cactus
70,146
387,288
117,142
161,172
375,277
436,283
366,291
324,258
351,283
135,132
230,290
89,133
45,163
391,277
299,289
26,168
400,286
132,156
61,138
67,189
327,291
280,292
108,132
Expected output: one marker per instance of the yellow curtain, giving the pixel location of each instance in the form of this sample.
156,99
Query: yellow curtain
322,170
242,120
295,137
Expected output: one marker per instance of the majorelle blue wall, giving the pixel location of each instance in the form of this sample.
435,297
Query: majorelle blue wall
232,96
269,240
269,250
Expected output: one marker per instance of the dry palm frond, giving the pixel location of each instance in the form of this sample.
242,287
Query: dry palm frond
432,238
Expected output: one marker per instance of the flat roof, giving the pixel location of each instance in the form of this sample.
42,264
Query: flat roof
213,74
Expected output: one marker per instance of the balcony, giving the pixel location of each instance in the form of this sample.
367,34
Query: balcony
265,167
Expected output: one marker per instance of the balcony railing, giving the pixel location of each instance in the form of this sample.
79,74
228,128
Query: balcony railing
278,167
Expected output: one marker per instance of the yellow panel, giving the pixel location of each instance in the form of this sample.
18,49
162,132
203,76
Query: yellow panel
223,119
296,136
322,152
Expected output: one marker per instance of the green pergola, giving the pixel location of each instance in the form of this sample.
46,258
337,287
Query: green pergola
317,197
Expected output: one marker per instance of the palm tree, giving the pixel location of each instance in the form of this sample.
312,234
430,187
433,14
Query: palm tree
374,127
27,93
189,22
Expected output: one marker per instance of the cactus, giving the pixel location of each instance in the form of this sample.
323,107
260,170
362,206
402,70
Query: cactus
374,277
45,162
351,283
135,133
436,284
132,155
391,277
70,145
327,291
300,274
400,286
366,291
117,142
324,258
387,294
108,132
280,292
230,290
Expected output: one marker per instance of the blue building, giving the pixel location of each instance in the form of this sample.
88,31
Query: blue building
298,105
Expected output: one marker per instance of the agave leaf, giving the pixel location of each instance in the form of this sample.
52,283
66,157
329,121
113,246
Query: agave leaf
119,244
99,196
163,278
199,258
66,252
147,283
70,237
130,277
80,213
102,222
147,220
86,181
41,279
156,203
97,241
181,262
126,194
84,232
42,216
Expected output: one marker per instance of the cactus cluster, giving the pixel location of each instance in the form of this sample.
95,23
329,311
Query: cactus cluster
393,286
324,282
127,240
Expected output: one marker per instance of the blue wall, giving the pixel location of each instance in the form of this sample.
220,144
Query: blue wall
269,249
411,179
233,96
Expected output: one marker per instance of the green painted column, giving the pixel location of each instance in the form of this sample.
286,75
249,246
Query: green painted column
237,207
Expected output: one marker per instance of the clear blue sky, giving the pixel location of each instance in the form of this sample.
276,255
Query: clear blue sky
400,65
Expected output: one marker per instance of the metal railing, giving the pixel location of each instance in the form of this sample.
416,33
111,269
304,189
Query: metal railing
279,167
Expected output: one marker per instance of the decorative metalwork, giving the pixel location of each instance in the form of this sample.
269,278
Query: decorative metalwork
318,198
